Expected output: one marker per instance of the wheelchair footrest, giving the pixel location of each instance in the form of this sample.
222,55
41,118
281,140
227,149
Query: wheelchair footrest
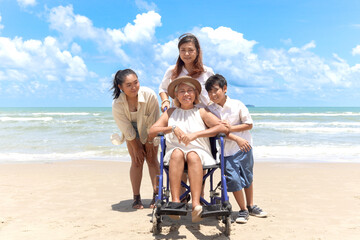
173,208
215,210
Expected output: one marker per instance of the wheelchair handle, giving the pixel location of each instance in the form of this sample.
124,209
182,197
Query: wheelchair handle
221,135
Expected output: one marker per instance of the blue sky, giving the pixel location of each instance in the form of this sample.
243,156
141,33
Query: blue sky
273,53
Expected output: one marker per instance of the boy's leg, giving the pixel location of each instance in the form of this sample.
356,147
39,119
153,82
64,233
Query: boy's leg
235,184
247,164
249,193
243,214
239,197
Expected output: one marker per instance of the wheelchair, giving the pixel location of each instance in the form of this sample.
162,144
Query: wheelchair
218,205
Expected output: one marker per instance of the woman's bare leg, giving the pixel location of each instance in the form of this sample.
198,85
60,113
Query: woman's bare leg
176,169
195,171
153,166
135,172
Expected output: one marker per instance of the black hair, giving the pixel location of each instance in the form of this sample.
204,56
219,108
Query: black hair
215,79
119,80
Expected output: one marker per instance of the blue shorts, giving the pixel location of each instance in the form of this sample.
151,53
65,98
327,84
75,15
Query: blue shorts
239,170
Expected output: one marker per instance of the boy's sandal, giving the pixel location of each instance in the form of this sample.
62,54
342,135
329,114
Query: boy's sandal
137,204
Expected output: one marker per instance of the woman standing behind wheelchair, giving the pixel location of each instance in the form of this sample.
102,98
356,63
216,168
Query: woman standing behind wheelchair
189,63
135,109
188,129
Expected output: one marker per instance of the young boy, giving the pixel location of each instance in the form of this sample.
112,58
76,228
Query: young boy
239,162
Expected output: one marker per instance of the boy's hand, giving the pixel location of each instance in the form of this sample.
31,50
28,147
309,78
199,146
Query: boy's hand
243,144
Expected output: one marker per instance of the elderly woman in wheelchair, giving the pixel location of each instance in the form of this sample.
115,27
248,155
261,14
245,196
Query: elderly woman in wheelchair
187,130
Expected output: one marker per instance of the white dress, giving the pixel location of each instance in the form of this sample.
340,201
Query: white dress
188,121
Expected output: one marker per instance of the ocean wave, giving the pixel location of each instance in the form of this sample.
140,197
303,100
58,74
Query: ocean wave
39,157
25,119
296,124
327,130
324,153
61,114
306,114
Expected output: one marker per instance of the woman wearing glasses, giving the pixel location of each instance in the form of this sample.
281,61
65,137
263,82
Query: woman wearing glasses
188,129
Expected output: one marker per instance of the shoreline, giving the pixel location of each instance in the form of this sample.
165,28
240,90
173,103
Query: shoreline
87,199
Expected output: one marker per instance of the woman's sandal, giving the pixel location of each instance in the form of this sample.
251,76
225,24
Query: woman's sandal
152,204
137,204
186,199
196,214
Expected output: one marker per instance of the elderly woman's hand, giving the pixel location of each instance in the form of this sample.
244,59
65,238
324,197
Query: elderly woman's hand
178,133
187,138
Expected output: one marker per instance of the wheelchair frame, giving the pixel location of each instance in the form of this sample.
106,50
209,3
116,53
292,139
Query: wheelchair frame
218,206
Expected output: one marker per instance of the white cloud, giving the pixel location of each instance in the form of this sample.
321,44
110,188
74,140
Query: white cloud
34,59
25,3
142,30
75,48
286,41
143,5
295,70
356,50
309,45
72,26
226,41
1,26
167,53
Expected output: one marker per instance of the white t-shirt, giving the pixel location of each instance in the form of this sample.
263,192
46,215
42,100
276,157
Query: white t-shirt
204,97
235,112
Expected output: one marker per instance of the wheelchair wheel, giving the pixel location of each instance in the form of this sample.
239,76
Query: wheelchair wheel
156,221
227,226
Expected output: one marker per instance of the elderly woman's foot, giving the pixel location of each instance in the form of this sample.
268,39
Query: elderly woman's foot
196,213
137,204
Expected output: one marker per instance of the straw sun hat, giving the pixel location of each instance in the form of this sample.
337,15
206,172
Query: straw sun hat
177,81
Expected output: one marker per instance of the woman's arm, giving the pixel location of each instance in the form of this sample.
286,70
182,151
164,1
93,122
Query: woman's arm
153,111
243,144
161,125
240,127
165,102
214,127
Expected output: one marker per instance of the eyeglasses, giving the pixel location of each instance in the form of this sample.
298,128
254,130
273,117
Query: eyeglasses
190,91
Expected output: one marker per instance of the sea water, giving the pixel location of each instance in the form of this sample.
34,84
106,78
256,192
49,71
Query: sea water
279,134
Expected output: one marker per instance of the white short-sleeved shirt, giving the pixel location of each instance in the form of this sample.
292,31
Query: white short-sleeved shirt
204,97
235,112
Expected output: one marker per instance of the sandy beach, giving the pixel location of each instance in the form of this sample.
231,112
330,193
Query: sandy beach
92,200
